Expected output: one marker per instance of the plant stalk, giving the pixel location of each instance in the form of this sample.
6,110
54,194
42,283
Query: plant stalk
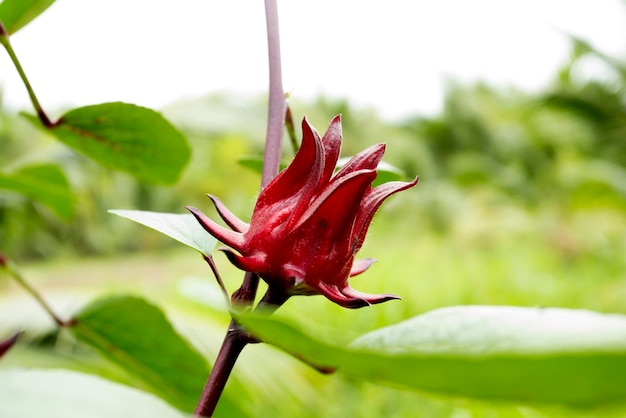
277,103
234,342
236,338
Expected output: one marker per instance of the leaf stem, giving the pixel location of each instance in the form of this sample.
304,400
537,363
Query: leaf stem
4,40
216,273
24,284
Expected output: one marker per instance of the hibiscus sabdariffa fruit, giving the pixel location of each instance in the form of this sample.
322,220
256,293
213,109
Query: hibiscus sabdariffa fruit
310,221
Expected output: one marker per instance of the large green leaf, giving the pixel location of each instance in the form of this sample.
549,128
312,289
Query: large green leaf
125,137
65,394
137,336
15,14
183,228
571,357
44,183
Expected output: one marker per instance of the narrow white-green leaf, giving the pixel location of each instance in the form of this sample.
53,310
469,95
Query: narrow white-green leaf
183,228
501,330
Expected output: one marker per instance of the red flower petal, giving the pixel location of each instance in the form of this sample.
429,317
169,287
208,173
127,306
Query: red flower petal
334,211
332,148
305,169
367,159
372,202
360,266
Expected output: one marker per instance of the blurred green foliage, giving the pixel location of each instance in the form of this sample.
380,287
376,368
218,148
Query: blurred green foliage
563,148
521,201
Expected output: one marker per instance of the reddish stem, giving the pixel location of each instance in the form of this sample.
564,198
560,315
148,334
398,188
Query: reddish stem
234,342
236,339
277,102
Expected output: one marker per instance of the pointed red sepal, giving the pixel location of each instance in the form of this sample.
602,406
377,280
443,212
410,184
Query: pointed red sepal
230,218
242,263
230,238
350,298
369,299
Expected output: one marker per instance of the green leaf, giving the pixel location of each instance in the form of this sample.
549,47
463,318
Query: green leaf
183,228
138,337
45,183
15,14
535,355
65,394
125,137
253,162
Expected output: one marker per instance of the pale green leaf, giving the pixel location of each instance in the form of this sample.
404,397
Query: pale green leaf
66,394
533,355
183,228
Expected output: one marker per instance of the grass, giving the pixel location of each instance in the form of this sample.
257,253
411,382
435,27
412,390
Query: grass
482,254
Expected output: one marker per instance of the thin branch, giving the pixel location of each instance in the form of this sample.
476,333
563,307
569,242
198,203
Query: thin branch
216,273
4,40
24,284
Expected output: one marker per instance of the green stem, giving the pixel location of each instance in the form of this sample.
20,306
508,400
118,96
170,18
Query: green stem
4,40
24,284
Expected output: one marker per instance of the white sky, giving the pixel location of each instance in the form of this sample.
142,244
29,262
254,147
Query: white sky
394,55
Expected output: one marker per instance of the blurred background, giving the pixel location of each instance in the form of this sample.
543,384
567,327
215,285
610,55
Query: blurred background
512,113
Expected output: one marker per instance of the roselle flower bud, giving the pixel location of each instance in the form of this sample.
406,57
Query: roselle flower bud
309,222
